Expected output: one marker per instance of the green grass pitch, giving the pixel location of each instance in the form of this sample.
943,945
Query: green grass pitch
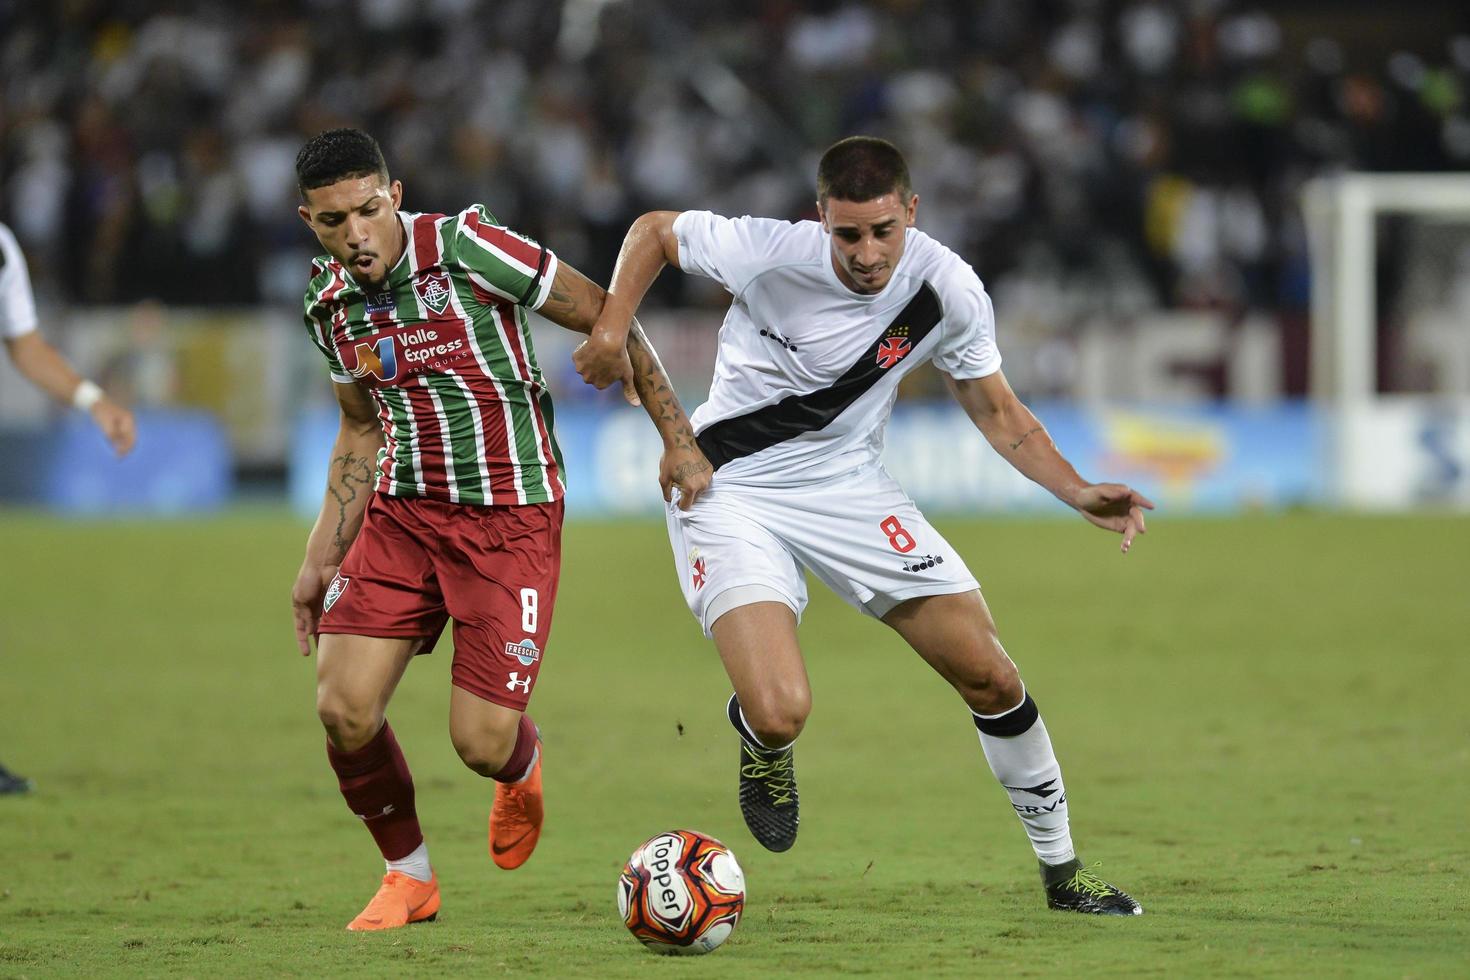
1262,722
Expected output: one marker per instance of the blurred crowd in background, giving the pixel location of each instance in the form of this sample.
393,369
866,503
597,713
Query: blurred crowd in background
1129,155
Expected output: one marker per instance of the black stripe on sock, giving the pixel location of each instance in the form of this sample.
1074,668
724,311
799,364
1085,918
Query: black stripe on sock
1017,721
732,711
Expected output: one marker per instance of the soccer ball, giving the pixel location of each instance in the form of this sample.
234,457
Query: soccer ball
681,893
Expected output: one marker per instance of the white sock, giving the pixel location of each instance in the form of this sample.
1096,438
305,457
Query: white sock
1019,751
415,865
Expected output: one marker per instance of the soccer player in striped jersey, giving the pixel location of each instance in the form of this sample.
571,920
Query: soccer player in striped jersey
444,494
826,318
43,366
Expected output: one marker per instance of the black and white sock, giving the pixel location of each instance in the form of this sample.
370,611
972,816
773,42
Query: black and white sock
1019,752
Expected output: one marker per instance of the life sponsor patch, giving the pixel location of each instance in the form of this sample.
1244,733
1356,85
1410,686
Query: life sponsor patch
381,302
389,357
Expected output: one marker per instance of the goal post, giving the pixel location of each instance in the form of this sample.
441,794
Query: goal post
1341,215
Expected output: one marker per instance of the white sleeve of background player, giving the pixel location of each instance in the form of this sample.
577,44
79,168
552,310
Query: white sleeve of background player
967,349
731,251
17,304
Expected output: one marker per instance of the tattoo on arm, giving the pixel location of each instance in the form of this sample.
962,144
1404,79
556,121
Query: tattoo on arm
574,302
660,400
1017,444
353,475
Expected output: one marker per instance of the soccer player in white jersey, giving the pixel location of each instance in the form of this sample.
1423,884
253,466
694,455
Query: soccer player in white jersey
44,367
826,318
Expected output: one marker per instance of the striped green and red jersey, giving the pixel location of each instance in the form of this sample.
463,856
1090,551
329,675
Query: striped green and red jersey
445,349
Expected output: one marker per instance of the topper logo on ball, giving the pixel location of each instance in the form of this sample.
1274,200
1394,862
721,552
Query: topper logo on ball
669,895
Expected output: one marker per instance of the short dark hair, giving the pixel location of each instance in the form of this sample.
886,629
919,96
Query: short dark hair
338,154
861,168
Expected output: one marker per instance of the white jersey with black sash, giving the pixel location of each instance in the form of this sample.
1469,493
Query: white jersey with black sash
17,304
807,369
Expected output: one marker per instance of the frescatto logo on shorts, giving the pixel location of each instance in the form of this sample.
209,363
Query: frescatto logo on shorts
525,651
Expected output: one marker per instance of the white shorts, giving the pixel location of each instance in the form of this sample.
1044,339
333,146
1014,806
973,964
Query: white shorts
860,534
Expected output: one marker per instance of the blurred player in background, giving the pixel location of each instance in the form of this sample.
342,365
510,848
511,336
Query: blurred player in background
826,319
444,494
44,367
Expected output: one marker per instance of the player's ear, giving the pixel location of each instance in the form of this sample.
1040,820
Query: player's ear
822,216
913,209
395,193
305,213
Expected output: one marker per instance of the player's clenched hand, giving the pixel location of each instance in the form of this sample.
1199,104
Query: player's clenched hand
306,602
601,361
116,424
595,365
1115,507
685,467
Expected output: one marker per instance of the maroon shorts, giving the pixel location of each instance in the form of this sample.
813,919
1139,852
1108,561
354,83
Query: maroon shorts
417,562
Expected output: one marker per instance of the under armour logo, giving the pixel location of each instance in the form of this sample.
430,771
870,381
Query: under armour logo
516,680
373,816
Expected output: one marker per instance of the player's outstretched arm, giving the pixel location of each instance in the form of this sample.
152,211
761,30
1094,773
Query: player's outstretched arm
44,367
349,484
683,464
649,246
578,303
1014,432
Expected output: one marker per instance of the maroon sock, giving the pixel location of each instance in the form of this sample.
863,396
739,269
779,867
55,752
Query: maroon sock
520,757
376,784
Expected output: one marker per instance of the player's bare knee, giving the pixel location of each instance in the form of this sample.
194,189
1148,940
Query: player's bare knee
993,689
780,720
485,753
348,727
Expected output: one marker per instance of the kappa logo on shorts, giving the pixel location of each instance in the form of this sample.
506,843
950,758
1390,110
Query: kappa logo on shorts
334,591
524,651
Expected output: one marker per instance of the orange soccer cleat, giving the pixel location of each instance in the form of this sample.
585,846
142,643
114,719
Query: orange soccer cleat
515,819
399,901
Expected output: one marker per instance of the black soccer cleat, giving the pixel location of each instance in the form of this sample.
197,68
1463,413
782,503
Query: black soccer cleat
768,795
1071,887
10,783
